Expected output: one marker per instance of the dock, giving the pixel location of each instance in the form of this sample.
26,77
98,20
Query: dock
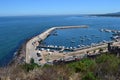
109,30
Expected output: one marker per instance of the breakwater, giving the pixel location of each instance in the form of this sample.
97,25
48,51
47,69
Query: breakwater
34,42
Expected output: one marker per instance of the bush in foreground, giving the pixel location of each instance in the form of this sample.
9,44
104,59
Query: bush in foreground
103,67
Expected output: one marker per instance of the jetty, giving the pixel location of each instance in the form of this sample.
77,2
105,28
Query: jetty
34,42
109,30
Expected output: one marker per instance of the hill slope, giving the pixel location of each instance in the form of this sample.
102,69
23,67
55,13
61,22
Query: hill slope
98,68
117,14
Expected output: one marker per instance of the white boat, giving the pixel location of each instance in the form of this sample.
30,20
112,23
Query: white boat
101,30
72,41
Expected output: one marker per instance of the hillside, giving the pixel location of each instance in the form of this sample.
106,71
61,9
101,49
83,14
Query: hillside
117,14
103,67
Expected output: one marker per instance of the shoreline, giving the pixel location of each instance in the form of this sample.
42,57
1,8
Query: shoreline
19,51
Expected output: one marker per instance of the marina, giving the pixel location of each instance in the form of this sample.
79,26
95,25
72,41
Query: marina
54,54
34,42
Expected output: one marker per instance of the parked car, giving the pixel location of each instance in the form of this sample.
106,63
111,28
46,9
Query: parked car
40,59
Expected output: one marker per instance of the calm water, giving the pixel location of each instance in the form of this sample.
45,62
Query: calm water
14,31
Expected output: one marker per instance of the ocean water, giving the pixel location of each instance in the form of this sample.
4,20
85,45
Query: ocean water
15,30
76,37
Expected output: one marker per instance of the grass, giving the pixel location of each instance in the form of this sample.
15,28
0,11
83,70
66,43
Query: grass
103,67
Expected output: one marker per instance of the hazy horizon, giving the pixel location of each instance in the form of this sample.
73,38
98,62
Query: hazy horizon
53,7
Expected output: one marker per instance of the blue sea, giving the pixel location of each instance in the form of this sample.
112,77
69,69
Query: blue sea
15,30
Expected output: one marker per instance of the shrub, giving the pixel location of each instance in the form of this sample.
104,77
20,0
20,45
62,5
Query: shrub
31,60
27,67
89,76
83,65
103,58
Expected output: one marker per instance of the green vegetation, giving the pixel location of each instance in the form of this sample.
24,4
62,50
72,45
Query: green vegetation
89,76
83,65
103,67
31,66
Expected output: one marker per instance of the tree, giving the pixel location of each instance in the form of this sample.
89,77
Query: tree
31,60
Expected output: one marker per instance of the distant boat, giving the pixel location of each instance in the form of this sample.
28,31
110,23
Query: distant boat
67,48
101,30
74,47
71,47
104,41
55,46
82,40
72,41
89,39
115,37
79,46
116,34
55,33
107,30
93,35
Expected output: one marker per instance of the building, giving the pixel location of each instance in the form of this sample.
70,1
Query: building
114,48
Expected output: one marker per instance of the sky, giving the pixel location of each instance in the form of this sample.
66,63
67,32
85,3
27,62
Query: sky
57,7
